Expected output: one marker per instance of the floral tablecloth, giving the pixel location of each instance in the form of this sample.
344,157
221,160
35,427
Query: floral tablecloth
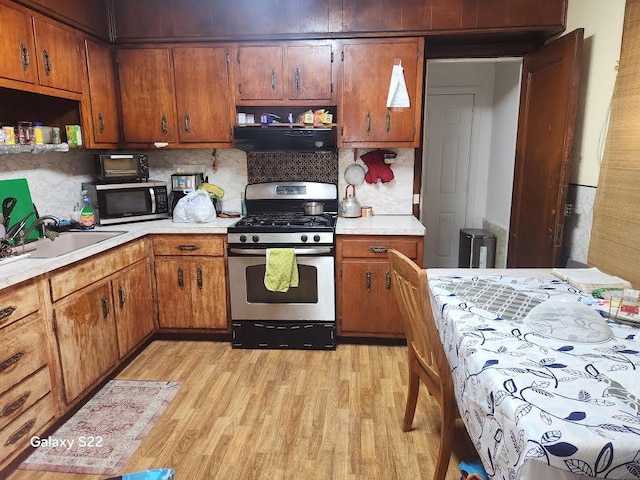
527,397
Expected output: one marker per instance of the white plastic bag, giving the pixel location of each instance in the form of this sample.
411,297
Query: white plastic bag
194,207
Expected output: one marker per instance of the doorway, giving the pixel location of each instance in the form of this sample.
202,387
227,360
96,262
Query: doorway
471,121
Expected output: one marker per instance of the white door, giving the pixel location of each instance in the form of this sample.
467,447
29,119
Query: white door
446,175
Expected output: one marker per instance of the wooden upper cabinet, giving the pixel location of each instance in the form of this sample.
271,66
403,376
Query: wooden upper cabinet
60,56
17,61
309,72
89,15
147,95
205,108
363,117
298,72
260,73
102,95
143,18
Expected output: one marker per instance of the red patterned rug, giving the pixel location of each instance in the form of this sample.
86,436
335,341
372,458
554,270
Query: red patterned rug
104,433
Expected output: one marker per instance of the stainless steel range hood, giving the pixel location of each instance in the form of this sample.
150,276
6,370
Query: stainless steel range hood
282,138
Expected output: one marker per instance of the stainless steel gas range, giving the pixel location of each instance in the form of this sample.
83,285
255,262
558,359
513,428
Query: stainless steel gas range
303,317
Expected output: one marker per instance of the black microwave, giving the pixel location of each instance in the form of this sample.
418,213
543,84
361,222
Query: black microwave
122,167
128,202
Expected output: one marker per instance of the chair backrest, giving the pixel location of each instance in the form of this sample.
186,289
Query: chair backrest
411,290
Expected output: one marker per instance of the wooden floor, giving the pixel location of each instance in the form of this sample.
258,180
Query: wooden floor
284,414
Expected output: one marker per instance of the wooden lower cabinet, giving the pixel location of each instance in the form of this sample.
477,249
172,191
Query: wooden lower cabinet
133,300
27,402
191,282
365,299
103,308
86,332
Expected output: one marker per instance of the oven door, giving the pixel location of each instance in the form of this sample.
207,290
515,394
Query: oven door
312,300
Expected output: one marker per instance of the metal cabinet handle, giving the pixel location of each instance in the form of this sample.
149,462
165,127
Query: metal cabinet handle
199,277
368,277
164,128
387,122
105,307
188,248
376,249
121,296
47,62
24,56
273,79
297,76
15,405
21,432
180,277
187,123
367,127
100,122
12,360
6,312
388,280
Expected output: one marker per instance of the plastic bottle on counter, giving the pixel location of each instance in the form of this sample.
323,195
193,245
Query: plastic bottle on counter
38,137
87,215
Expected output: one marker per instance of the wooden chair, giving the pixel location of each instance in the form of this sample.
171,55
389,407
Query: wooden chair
427,360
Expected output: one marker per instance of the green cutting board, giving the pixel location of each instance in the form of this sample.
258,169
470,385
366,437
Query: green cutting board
19,189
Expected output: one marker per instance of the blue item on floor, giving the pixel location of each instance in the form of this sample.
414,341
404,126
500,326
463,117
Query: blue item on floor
473,471
160,474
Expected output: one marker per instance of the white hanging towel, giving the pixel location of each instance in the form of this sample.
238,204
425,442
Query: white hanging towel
398,95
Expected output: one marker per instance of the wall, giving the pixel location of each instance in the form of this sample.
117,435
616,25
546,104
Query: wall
602,22
55,178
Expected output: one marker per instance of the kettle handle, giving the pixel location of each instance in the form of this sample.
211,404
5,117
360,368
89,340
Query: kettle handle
353,191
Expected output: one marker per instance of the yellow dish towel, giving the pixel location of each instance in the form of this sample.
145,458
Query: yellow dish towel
282,269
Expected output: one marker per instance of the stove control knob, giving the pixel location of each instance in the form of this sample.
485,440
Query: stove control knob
243,238
316,238
304,238
255,238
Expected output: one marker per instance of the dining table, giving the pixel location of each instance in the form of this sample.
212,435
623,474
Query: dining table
544,392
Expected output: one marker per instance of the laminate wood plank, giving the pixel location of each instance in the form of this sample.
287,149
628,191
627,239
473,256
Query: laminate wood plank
284,414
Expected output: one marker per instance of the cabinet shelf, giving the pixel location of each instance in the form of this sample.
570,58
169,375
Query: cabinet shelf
46,148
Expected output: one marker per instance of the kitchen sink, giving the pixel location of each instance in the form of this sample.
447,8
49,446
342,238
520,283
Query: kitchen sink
67,242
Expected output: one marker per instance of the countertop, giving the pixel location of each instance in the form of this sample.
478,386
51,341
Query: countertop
380,225
28,268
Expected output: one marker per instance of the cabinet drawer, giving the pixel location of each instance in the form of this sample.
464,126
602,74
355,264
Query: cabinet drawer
91,270
19,399
16,436
377,246
207,245
23,350
18,302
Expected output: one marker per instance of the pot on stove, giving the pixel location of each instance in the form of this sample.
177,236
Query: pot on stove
349,206
313,208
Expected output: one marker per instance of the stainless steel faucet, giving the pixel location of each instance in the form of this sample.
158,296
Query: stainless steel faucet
21,232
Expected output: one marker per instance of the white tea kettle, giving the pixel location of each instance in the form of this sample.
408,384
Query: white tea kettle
349,206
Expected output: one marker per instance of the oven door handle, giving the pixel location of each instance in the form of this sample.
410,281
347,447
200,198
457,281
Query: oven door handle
263,251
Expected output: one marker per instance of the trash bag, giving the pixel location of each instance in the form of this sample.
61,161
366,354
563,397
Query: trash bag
194,207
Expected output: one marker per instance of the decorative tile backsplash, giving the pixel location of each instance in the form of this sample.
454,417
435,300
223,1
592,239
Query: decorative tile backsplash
292,166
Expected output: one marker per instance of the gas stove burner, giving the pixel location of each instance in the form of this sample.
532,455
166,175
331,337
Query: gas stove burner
286,219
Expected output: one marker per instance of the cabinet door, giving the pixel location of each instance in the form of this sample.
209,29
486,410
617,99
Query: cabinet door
173,287
143,18
147,95
260,73
60,56
389,319
208,293
205,108
86,335
102,95
309,72
366,120
359,302
134,306
17,61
